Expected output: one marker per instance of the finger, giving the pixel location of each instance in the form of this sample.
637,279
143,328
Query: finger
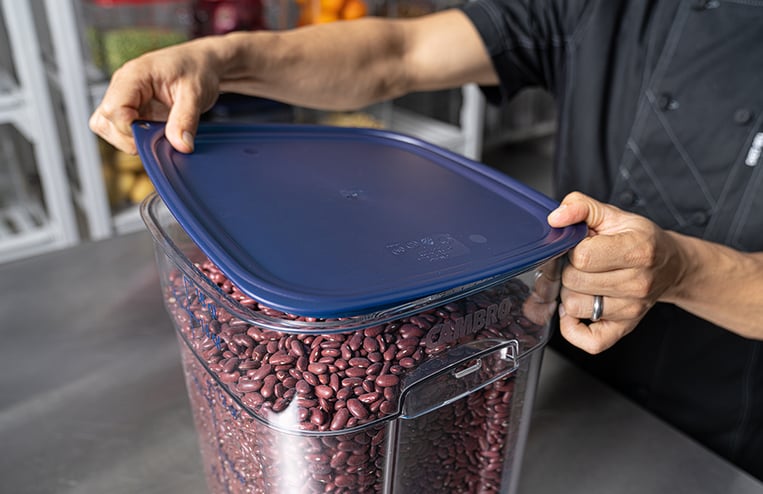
537,310
580,306
100,125
600,253
126,95
183,119
119,107
577,207
620,283
592,338
544,288
154,110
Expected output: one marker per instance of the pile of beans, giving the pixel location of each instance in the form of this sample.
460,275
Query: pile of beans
280,412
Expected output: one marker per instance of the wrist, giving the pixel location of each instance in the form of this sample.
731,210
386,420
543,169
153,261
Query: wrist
232,55
682,269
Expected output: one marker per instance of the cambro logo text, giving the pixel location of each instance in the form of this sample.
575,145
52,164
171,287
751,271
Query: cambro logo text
452,330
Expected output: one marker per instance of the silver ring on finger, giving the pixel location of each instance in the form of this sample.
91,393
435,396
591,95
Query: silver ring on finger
598,307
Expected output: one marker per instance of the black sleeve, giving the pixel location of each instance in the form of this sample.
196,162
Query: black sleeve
527,40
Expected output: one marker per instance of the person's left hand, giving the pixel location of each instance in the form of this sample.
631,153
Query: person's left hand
626,259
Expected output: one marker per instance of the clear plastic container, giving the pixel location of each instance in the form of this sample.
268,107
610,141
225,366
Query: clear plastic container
120,30
431,396
359,311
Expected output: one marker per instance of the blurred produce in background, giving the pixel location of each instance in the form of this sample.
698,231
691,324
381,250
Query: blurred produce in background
119,30
322,11
126,181
224,16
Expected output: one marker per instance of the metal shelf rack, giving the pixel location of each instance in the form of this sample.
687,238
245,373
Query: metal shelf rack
31,222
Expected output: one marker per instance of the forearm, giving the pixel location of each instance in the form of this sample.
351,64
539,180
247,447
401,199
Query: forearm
353,64
327,66
721,285
336,66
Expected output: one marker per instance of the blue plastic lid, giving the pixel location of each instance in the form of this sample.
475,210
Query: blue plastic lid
333,222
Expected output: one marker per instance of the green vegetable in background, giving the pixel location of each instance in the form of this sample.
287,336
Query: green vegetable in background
117,46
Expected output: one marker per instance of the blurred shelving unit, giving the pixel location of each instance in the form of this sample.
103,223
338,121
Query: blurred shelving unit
36,212
76,82
81,85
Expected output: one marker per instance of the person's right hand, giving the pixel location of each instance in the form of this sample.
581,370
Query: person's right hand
174,84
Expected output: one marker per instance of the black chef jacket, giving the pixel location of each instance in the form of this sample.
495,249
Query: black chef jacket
660,108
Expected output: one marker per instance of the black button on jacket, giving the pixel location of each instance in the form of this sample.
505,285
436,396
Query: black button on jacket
660,108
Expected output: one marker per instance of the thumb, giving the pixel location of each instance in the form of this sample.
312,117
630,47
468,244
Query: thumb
183,121
577,207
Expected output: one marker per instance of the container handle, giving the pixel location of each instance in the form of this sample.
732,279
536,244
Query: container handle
456,374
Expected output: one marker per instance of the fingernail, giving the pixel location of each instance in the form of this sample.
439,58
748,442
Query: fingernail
556,212
188,139
562,312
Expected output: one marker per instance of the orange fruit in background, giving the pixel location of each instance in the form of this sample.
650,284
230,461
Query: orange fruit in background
325,17
354,9
304,18
308,11
324,11
333,6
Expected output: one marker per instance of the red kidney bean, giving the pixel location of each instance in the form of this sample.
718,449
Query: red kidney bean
374,369
248,364
355,372
281,358
373,331
341,364
229,378
407,363
349,382
340,419
311,378
323,391
262,372
230,365
243,340
268,386
317,416
318,368
369,398
357,409
387,380
344,481
297,348
359,362
339,458
389,394
370,344
249,386
368,385
386,407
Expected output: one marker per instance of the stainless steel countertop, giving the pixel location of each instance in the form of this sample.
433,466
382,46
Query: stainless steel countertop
92,398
